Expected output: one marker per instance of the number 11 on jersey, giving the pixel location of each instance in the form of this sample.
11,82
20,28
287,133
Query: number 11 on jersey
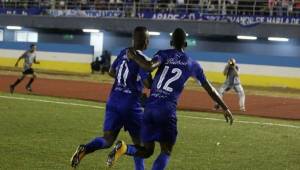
123,74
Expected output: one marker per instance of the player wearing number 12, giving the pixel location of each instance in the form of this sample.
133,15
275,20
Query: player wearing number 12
159,121
123,107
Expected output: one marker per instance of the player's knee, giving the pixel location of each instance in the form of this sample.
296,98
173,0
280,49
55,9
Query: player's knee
148,153
166,152
145,152
241,94
109,143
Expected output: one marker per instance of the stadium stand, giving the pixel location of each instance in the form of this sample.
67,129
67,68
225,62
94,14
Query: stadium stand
130,8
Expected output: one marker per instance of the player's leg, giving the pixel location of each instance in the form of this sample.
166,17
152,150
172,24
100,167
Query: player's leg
162,160
121,148
106,141
133,123
240,91
168,135
32,78
138,161
97,143
12,86
112,125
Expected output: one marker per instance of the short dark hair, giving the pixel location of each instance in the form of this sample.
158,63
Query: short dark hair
32,45
179,38
140,36
140,29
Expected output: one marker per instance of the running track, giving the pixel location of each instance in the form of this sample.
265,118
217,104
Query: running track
273,107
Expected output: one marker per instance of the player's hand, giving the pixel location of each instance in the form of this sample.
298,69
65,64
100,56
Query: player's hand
228,116
131,53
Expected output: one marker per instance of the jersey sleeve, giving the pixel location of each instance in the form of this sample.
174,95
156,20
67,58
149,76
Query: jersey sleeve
142,73
24,54
34,58
197,72
115,63
158,57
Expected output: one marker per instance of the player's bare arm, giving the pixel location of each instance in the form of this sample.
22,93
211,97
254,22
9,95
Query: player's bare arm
235,70
141,61
20,58
225,71
148,82
216,97
35,61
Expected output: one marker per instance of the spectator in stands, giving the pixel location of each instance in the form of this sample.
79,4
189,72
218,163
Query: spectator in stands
163,5
62,5
290,7
246,7
171,6
211,7
101,4
296,8
105,62
231,6
271,4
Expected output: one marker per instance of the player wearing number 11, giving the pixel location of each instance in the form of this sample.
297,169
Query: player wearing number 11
123,108
159,121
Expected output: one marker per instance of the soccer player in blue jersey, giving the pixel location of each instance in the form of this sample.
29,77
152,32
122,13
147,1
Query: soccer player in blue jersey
159,121
123,107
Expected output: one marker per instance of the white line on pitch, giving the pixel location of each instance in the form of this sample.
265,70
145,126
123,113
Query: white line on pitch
185,116
244,122
52,101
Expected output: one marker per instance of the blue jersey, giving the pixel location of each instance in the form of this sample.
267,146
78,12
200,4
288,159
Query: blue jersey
174,70
128,84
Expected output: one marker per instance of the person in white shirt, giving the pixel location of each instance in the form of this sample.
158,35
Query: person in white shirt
29,58
232,81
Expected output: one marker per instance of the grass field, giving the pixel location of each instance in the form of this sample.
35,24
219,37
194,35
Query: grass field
41,133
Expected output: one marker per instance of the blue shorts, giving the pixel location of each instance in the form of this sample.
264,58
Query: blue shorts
159,123
129,118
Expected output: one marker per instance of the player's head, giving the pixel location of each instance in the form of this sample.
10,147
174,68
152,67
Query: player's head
32,47
178,40
231,61
140,38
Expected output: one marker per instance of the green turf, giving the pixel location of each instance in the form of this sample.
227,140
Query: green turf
37,135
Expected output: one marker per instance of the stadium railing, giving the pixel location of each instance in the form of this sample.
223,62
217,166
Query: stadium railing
130,8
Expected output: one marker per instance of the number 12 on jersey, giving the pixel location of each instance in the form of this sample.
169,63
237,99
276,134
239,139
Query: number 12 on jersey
167,83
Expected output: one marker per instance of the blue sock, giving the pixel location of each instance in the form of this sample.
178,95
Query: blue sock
96,144
161,162
131,150
139,163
